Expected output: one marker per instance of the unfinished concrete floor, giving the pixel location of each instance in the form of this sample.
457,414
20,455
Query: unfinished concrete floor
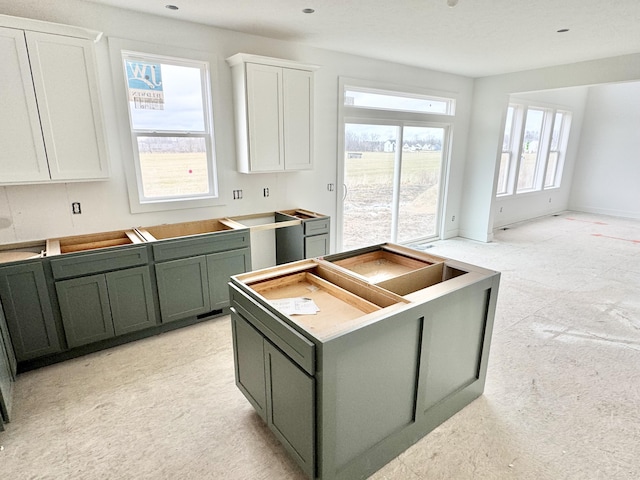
562,399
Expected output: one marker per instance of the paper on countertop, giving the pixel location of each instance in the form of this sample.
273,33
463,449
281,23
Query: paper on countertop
296,306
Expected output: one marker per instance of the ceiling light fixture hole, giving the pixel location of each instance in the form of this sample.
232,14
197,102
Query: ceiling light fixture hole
308,10
563,30
171,7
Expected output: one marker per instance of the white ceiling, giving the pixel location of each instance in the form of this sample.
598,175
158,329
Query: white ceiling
476,38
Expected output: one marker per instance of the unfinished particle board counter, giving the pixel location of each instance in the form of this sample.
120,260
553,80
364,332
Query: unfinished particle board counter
400,343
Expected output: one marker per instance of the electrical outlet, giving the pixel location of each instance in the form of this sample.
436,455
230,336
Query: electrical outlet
453,218
265,191
237,194
330,187
75,208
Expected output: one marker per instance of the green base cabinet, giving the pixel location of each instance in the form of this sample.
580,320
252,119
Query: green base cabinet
310,239
98,307
400,344
192,273
282,393
27,307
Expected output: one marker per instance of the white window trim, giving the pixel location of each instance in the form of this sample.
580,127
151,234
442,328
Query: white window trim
129,154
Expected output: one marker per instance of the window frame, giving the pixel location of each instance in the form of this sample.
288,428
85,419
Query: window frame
131,159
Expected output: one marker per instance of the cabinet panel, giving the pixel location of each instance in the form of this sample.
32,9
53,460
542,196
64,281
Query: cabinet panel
200,245
6,386
131,300
6,340
316,246
454,346
183,288
84,305
88,263
297,118
264,104
7,371
291,406
248,350
316,226
65,81
22,157
25,298
220,267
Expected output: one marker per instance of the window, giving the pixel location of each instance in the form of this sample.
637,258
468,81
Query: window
505,158
170,120
533,148
389,100
393,169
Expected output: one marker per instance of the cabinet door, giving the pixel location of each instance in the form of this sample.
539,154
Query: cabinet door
297,93
22,156
220,267
25,298
6,385
84,305
131,299
248,351
316,246
291,406
6,340
183,288
66,85
264,107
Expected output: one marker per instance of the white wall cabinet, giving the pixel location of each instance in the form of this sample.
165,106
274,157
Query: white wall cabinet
274,113
51,127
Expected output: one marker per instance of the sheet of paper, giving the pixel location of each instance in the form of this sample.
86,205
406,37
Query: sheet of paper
296,306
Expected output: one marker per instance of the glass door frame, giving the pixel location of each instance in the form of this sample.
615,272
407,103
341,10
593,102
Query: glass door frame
381,119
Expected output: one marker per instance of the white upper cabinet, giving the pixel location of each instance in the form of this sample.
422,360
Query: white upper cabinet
51,126
274,113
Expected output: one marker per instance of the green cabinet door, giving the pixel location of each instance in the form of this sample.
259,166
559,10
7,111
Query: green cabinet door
131,299
316,246
27,307
84,305
6,340
183,288
291,406
6,385
220,267
248,350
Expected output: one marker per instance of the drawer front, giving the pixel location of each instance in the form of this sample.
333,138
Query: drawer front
293,344
316,226
200,245
89,263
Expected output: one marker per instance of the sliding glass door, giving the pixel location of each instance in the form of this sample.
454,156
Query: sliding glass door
393,181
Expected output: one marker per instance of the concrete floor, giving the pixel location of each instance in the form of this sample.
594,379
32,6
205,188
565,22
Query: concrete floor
562,399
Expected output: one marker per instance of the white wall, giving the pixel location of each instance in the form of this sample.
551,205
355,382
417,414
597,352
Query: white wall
515,208
44,211
490,99
607,174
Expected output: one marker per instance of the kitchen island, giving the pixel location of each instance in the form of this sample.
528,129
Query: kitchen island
399,344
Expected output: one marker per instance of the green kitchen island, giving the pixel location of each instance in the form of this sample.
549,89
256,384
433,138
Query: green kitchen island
400,343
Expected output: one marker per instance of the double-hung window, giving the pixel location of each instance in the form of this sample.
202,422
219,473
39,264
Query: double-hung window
171,127
533,149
